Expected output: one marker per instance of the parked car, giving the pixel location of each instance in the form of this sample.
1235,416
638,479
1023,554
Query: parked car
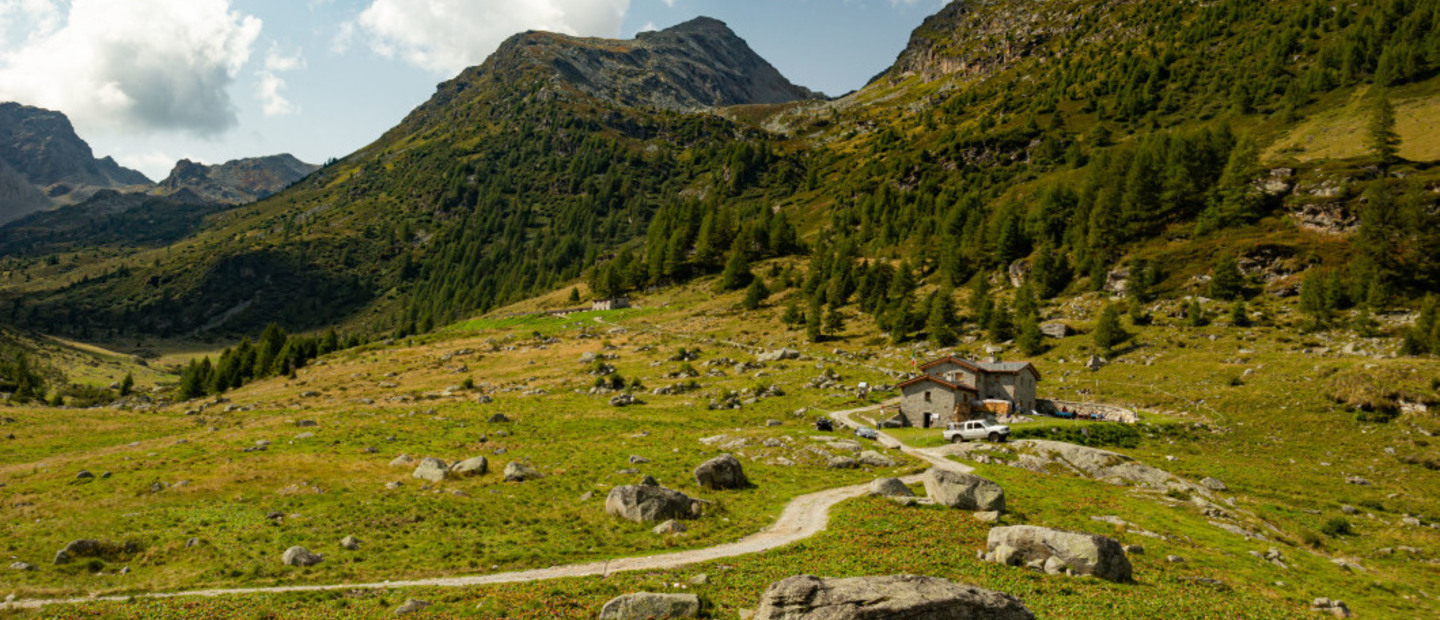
824,424
867,433
1067,415
957,432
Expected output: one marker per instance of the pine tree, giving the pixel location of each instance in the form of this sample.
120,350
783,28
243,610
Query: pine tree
792,316
1195,314
1239,317
834,321
812,321
127,384
574,295
754,294
1001,325
1227,283
737,271
940,320
1108,331
1313,298
1030,340
981,306
1381,138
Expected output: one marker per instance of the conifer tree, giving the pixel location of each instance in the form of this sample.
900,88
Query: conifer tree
1239,317
834,321
1030,339
1001,325
127,384
1108,331
1381,138
940,320
754,294
737,271
812,320
1195,314
1227,283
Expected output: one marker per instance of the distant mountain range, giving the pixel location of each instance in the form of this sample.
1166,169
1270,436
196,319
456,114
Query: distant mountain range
44,164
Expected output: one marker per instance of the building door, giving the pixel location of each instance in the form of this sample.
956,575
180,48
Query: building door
927,420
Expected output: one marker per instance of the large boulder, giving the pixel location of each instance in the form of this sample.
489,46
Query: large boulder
431,469
890,487
1043,456
875,459
1059,551
300,556
649,606
520,472
476,466
721,472
908,597
83,548
964,491
778,355
645,502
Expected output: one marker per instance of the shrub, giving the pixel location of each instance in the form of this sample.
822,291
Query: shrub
1336,528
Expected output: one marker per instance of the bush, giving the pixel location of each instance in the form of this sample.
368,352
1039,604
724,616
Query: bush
1336,528
1311,539
1096,435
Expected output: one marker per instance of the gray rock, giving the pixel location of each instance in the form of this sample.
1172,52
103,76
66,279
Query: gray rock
1083,554
307,423
649,606
520,472
403,460
82,548
351,543
474,466
964,491
669,527
1213,484
700,580
778,355
411,606
84,475
721,472
841,462
636,459
431,469
891,597
1174,559
1135,549
890,487
21,566
987,516
640,503
498,418
300,556
875,459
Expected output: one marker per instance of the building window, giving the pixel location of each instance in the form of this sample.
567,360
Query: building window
927,396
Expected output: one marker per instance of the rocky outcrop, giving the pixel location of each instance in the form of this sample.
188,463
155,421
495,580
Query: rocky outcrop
236,182
695,65
806,597
39,148
1043,456
721,472
1058,551
642,503
520,472
650,606
431,469
300,556
964,491
890,487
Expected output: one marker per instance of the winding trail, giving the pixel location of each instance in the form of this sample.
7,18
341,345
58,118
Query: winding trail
802,518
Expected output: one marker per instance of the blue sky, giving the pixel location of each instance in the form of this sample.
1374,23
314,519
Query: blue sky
152,81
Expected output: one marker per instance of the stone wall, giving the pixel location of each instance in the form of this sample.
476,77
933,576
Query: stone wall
1109,413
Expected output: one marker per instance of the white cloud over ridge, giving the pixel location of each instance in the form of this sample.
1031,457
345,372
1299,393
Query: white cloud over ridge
272,101
446,36
129,66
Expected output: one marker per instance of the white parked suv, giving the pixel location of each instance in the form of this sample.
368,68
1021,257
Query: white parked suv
957,432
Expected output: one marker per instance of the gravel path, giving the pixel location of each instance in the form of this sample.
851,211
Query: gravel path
802,518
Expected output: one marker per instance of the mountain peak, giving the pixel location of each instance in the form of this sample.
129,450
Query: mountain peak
238,181
697,64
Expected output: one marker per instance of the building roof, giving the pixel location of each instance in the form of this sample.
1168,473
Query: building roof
987,367
954,386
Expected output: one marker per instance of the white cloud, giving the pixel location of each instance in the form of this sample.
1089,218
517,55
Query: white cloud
446,36
132,65
272,101
155,164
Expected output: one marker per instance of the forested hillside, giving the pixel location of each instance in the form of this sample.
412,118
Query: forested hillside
1081,142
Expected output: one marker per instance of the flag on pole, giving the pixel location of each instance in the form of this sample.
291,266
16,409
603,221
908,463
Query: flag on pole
914,363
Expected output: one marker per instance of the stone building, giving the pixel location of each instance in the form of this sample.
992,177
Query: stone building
954,390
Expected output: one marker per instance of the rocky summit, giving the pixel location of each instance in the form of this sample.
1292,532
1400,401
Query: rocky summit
44,163
236,182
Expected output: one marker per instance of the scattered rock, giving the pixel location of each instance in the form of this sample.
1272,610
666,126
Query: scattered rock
625,399
649,606
1213,484
351,543
636,459
1348,509
778,355
700,580
890,487
520,472
300,556
306,423
987,516
721,472
474,466
875,459
841,462
1134,549
21,566
640,503
1082,554
498,418
431,469
806,597
82,548
1174,559
403,460
669,527
84,475
1335,608
964,491
411,606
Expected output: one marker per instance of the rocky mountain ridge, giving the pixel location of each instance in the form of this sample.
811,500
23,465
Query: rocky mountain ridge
238,181
40,148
